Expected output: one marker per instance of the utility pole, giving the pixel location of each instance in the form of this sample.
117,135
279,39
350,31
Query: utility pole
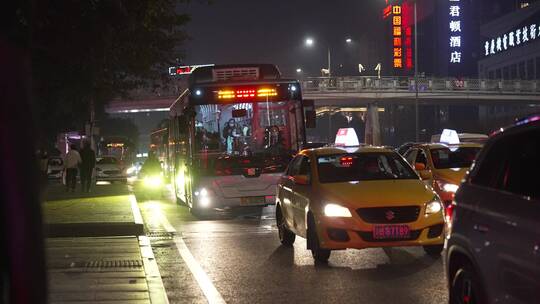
329,62
417,123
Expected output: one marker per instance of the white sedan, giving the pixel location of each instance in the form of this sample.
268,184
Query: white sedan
109,168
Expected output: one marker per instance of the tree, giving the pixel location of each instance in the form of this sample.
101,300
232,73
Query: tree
89,52
120,127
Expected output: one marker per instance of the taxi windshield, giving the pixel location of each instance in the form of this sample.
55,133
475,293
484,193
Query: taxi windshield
363,166
446,158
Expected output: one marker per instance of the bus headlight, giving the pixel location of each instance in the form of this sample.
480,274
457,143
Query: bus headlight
203,197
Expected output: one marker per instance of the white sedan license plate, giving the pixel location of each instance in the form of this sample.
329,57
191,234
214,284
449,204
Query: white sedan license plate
252,200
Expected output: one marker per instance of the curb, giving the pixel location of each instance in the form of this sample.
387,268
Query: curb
93,229
157,292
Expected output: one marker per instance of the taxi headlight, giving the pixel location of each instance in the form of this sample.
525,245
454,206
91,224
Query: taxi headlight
334,210
153,181
447,187
433,207
450,188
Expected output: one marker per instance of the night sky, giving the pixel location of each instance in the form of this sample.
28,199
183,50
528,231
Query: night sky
244,31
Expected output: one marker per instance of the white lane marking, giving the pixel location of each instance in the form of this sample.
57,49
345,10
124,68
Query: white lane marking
168,227
210,292
205,284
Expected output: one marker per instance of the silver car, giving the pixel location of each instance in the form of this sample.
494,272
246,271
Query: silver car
493,248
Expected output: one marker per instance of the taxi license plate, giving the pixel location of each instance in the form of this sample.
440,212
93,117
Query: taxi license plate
252,200
391,232
251,171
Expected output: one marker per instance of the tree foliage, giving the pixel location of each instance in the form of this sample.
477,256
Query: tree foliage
91,51
120,127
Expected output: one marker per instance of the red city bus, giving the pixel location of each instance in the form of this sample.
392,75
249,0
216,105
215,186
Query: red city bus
232,134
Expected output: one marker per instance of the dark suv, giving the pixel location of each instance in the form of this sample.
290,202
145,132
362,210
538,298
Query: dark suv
493,246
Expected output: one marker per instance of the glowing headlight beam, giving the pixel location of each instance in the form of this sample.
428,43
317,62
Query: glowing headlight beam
334,210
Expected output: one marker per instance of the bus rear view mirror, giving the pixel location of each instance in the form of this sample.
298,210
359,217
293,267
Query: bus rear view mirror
311,119
239,113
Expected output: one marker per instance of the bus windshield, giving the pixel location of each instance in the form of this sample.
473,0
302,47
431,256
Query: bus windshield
261,134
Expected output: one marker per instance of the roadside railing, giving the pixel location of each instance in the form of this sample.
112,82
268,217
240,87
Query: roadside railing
407,84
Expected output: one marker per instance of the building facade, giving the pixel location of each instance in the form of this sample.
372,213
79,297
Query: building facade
511,44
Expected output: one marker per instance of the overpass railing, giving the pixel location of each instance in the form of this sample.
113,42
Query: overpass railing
428,85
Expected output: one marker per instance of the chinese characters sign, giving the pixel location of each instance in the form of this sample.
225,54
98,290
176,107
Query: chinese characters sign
397,33
184,70
512,39
455,28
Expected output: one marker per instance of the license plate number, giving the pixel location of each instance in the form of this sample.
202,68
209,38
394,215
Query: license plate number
391,232
252,200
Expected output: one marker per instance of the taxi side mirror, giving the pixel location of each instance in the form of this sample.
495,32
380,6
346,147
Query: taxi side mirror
301,180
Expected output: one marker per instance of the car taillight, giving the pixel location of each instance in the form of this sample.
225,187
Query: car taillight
450,212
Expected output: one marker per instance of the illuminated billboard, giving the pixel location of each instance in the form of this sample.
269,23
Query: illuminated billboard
455,29
397,33
514,38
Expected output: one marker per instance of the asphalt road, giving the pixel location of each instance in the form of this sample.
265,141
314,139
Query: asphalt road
241,261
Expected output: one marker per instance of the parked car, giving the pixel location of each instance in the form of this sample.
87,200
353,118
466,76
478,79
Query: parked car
493,248
109,168
55,168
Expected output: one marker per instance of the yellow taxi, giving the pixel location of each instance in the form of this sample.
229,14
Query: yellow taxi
339,198
443,165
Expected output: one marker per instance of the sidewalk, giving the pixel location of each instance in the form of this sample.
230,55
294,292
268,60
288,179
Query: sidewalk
96,252
108,211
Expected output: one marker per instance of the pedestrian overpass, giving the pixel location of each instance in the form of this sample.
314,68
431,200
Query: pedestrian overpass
360,91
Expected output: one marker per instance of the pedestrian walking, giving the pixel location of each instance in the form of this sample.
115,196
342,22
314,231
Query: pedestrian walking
43,166
88,162
71,163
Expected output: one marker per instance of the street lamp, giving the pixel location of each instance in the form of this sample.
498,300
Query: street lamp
309,42
299,70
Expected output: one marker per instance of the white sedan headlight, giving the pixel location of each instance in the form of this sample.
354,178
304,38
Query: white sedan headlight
435,206
131,170
334,210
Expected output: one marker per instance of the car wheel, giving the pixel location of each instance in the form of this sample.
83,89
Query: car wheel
433,250
319,254
286,237
465,287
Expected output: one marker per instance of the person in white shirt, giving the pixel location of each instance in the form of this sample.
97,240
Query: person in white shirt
71,164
